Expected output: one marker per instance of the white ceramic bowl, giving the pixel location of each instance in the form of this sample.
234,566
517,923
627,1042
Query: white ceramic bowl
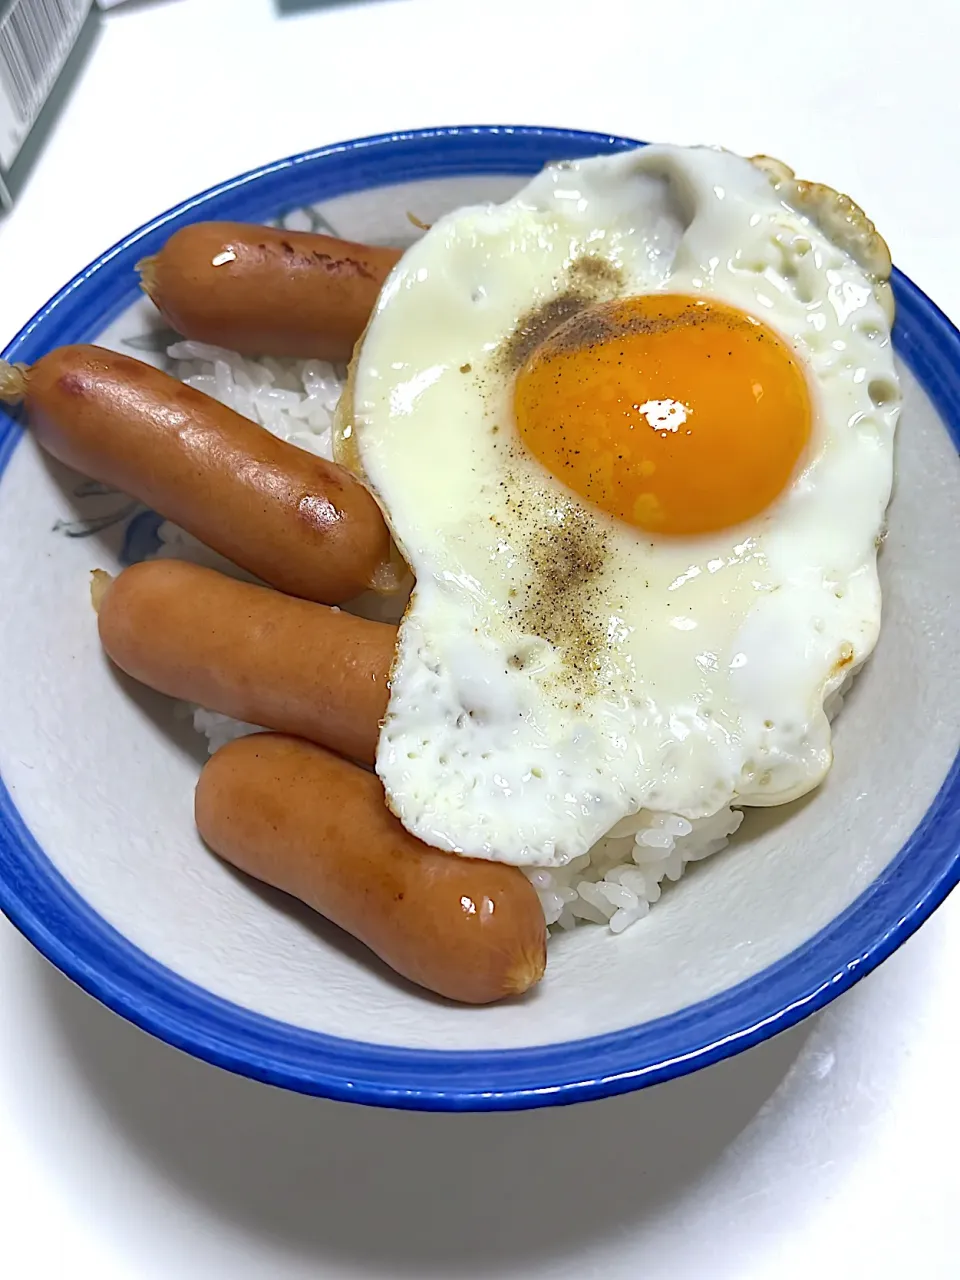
101,868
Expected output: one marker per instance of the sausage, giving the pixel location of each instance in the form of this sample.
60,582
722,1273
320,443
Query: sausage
301,523
305,821
266,291
250,652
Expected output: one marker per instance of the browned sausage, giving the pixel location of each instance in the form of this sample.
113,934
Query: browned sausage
251,653
317,827
264,291
299,522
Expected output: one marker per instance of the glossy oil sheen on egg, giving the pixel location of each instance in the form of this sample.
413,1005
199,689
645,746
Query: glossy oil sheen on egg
563,662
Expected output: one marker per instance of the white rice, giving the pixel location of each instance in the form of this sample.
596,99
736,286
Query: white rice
294,399
623,875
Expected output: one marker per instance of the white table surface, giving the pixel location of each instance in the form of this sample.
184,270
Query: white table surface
827,1152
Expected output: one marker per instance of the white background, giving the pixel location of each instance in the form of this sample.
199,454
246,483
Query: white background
829,1152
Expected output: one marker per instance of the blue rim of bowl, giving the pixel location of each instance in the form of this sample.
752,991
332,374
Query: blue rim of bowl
61,925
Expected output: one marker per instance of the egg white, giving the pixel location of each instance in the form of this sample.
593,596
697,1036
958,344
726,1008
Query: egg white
701,664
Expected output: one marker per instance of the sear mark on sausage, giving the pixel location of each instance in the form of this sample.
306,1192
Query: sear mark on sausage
342,266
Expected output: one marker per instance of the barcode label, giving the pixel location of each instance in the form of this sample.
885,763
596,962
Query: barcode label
35,38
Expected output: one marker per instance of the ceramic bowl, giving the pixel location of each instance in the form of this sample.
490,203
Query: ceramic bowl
101,868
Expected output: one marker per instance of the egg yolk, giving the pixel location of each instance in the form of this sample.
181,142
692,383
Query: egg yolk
675,414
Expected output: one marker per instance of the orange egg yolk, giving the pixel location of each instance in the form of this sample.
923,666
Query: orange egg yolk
674,414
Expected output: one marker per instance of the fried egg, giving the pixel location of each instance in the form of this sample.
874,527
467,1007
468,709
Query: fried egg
633,432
